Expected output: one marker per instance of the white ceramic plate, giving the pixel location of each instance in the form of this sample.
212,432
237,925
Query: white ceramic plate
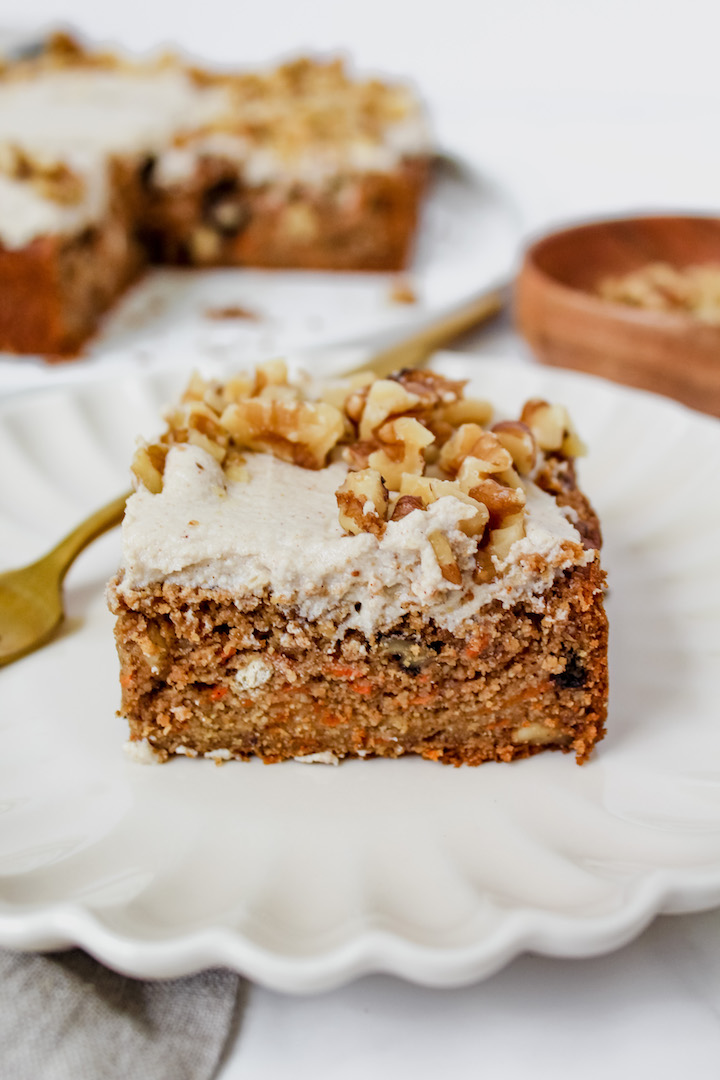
303,877
468,241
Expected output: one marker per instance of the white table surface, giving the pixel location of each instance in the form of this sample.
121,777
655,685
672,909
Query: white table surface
580,109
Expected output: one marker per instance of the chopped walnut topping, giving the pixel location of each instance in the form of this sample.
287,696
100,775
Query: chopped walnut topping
301,432
409,441
501,502
385,398
235,467
335,392
446,560
306,104
552,427
329,107
238,387
466,411
148,466
428,489
357,454
519,441
502,539
485,570
402,451
430,389
405,505
54,180
363,502
470,441
271,373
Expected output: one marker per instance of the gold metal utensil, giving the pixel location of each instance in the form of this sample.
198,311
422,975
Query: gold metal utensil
31,605
414,351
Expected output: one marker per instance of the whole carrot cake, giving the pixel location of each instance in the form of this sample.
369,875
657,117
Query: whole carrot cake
106,164
372,567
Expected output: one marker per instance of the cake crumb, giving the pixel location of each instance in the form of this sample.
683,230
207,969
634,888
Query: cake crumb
402,292
325,757
231,311
254,674
218,756
142,753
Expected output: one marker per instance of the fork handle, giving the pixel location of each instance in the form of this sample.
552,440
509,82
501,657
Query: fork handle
107,517
413,351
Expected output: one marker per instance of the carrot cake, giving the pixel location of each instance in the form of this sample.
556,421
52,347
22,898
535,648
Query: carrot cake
106,164
368,567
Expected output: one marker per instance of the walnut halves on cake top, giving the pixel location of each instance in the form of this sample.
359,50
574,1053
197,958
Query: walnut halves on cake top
370,567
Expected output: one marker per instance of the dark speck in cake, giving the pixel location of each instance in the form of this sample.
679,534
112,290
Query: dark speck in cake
573,676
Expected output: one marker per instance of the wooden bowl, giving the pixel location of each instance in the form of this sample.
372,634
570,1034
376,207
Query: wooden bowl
568,325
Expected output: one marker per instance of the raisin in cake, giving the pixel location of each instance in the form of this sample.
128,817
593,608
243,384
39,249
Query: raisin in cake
367,568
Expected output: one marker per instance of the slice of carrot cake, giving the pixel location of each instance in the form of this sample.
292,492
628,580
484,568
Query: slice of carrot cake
107,163
366,568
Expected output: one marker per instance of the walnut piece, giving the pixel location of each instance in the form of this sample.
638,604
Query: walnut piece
405,505
300,432
466,411
430,388
148,466
385,398
659,286
403,441
363,502
446,560
52,179
536,733
299,223
552,427
503,538
501,501
428,489
519,441
470,441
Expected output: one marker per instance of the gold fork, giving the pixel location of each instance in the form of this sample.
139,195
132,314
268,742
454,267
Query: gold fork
31,606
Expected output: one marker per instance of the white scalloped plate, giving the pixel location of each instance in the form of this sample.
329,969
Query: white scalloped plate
303,877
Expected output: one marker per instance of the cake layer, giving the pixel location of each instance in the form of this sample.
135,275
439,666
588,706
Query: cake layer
362,221
54,291
201,676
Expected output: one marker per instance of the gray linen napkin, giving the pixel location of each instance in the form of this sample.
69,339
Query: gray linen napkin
63,1016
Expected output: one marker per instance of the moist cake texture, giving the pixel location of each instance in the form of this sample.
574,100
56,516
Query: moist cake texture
369,567
118,163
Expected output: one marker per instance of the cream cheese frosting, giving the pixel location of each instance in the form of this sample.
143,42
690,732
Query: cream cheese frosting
80,117
277,535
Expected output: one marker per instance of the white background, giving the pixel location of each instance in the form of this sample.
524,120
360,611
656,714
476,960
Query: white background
580,108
